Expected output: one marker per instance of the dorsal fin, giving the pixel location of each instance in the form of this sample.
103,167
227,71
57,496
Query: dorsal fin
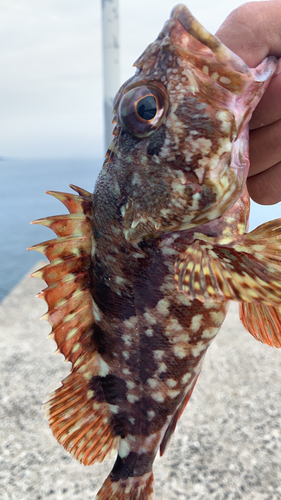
78,419
69,300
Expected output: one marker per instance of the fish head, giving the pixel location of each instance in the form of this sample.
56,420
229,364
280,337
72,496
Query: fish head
181,143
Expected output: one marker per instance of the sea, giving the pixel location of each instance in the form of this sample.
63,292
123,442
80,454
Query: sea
23,198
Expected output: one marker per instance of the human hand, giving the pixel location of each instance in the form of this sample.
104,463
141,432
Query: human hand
253,32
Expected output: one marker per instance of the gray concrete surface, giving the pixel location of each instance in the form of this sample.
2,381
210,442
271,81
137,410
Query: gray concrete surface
226,446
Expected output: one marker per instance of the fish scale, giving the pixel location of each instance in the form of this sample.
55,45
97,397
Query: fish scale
142,271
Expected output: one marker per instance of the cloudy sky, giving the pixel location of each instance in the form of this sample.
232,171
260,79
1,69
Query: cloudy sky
51,97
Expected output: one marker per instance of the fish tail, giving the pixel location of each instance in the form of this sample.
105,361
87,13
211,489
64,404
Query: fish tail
132,488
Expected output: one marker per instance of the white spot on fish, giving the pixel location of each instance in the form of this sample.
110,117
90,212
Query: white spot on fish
173,394
132,398
225,80
217,317
150,414
162,368
157,396
158,354
171,382
119,280
209,333
196,322
174,326
178,187
103,368
183,300
124,448
96,311
208,305
168,251
215,76
114,408
186,378
130,384
198,349
93,249
149,332
152,382
150,318
163,307
179,351
127,339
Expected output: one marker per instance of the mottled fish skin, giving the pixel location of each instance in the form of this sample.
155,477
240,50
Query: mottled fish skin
129,307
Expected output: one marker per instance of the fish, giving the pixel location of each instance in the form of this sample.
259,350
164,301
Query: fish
142,271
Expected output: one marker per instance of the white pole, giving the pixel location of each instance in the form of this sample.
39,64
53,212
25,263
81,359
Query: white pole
110,25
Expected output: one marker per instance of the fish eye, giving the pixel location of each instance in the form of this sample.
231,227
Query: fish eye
147,107
142,109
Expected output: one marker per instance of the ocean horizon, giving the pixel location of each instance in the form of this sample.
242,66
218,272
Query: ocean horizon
23,183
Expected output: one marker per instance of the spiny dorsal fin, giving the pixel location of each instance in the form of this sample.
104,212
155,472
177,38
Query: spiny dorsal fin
78,419
247,271
67,295
81,203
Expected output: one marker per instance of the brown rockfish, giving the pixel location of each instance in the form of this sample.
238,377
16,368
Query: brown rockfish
142,271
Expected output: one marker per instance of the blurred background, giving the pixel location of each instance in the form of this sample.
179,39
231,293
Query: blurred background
51,102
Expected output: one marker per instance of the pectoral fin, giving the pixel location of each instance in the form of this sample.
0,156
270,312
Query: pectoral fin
263,322
248,271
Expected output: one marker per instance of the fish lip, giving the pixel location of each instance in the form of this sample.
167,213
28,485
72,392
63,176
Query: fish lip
222,53
195,29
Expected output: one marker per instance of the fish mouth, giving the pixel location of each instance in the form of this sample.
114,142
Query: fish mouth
208,47
196,30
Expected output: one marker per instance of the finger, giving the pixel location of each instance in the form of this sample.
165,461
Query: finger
269,108
252,31
265,148
265,188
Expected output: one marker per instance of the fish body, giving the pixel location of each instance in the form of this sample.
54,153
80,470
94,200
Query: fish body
142,271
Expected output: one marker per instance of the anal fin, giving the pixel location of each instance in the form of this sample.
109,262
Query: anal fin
172,426
247,270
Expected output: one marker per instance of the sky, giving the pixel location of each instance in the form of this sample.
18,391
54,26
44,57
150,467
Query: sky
51,94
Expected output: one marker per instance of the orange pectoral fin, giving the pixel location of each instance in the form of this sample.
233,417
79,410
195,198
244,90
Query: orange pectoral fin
246,272
263,322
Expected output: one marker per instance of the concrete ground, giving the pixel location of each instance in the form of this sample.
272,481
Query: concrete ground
226,446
